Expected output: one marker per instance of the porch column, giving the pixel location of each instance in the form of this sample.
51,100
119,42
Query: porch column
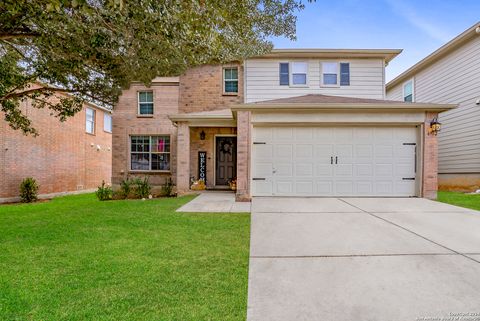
430,159
243,156
183,157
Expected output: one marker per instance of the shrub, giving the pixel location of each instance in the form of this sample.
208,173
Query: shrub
142,188
167,188
104,192
29,190
126,188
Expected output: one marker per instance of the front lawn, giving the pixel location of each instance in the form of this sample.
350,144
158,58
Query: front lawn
460,199
76,258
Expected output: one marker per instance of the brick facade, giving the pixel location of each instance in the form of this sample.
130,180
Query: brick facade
127,122
201,89
63,158
430,160
244,129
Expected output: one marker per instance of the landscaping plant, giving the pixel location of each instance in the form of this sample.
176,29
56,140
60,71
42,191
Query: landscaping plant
29,190
142,187
104,192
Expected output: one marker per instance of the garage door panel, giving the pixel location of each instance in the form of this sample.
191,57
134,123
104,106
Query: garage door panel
284,169
324,170
341,161
283,151
304,151
304,187
263,134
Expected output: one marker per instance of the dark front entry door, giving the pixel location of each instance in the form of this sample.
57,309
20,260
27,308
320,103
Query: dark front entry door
225,159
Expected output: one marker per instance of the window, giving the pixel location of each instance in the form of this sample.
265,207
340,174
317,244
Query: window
150,153
230,80
344,74
329,73
408,91
284,74
145,103
107,122
299,73
90,121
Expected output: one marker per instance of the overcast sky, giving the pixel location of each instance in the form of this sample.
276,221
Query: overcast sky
418,27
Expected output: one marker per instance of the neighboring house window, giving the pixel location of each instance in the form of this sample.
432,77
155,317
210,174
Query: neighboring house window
145,103
107,122
230,80
299,73
284,74
408,91
344,74
329,73
90,120
150,153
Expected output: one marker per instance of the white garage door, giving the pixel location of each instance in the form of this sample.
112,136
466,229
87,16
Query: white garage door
334,161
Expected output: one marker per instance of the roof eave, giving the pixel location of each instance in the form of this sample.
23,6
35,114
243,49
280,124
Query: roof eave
464,37
387,54
343,106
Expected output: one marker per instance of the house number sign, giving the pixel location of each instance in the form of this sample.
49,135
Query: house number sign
202,166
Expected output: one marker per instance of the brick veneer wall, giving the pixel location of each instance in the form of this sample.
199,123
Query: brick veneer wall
201,89
430,160
61,158
127,122
244,130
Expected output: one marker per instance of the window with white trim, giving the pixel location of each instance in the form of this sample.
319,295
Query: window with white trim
329,73
145,103
90,120
150,153
107,122
299,73
230,80
408,91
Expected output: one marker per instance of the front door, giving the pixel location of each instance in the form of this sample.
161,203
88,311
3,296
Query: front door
225,159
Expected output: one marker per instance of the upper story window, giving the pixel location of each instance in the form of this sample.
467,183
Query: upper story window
230,80
299,73
408,91
335,74
90,120
284,74
145,103
107,122
150,153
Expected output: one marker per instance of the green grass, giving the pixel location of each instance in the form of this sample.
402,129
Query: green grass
460,199
76,258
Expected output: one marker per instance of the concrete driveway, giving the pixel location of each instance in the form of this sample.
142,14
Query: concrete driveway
363,259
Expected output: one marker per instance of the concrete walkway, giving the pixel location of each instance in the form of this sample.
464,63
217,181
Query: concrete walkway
362,259
215,202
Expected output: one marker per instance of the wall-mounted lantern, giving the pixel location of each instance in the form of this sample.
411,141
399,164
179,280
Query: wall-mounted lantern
435,126
202,135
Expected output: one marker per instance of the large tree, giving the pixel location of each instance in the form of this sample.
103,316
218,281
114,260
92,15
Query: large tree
92,49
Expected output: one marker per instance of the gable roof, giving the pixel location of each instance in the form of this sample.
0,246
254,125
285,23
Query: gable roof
387,54
450,46
326,102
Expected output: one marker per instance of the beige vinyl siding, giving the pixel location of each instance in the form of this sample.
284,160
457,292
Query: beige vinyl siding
262,79
454,79
395,93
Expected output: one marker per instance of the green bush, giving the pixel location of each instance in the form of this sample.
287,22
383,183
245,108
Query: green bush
104,192
29,190
167,188
142,188
126,188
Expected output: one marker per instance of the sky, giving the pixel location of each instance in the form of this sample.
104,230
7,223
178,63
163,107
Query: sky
419,27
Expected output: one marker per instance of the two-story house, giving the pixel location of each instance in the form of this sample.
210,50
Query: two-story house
450,75
66,157
294,122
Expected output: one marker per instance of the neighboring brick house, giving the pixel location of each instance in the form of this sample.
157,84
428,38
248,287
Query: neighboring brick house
306,122
70,156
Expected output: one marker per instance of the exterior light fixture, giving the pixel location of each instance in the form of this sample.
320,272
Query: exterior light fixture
202,135
434,126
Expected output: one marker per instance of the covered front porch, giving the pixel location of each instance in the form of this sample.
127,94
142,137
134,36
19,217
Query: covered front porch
207,149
